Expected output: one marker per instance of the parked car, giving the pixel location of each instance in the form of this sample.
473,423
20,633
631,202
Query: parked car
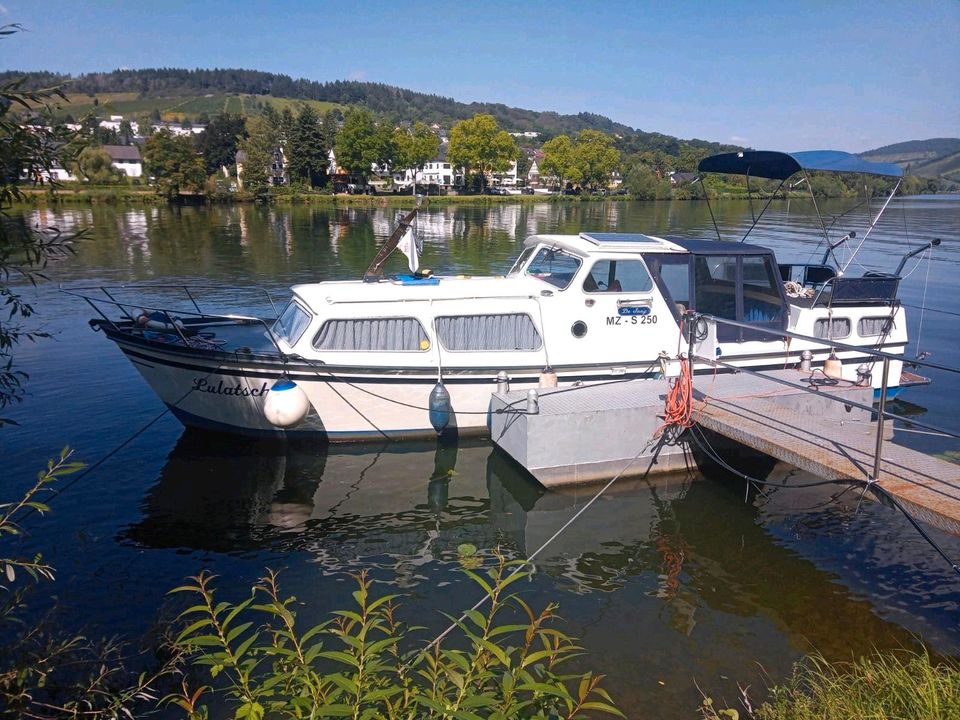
527,191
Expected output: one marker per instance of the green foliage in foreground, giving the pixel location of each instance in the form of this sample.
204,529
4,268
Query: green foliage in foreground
364,663
880,686
45,672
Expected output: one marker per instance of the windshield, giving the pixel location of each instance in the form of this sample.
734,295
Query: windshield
554,266
521,261
291,323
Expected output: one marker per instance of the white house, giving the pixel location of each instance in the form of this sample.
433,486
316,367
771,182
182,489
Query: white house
508,178
178,129
439,173
116,120
126,158
54,174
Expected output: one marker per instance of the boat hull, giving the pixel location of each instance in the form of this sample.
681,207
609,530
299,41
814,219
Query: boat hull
219,391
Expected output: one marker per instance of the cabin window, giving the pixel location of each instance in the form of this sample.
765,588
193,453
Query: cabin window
393,334
488,332
291,323
554,266
761,291
874,326
618,276
835,329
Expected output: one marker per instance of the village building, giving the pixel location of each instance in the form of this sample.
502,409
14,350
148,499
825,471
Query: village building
126,158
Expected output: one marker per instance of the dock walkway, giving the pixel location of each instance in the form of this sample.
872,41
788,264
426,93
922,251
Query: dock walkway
592,433
928,488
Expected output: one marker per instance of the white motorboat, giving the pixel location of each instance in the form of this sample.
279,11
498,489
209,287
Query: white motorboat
416,354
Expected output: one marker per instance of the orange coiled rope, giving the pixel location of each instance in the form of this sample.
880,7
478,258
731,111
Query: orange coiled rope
678,411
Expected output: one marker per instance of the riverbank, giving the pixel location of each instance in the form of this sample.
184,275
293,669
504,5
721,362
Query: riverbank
144,195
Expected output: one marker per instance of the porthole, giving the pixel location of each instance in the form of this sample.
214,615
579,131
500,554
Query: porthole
579,329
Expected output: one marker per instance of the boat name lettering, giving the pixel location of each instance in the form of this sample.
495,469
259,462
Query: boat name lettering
630,310
632,319
201,385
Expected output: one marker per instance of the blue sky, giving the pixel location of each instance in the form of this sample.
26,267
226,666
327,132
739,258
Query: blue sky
775,75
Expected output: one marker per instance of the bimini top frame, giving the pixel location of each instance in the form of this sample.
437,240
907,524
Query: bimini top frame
772,165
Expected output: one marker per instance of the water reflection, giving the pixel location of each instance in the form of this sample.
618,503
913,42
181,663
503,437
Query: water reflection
693,546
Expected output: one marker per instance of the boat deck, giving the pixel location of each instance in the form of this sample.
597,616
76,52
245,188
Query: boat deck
237,336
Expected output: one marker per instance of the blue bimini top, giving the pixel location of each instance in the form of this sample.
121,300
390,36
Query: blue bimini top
781,165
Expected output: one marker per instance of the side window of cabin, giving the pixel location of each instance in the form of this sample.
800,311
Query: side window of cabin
395,334
554,266
514,331
613,276
761,290
291,323
715,277
832,329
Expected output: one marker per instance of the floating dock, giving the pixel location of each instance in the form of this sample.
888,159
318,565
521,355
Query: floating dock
592,433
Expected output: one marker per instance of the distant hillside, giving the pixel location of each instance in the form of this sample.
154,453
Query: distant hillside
181,92
936,157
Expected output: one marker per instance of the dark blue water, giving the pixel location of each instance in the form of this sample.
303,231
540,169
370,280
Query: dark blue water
670,582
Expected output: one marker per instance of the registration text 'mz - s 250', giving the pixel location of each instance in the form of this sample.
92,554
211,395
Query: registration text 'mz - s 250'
631,320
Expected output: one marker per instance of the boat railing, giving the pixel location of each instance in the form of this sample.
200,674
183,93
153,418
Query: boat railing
78,291
171,316
694,320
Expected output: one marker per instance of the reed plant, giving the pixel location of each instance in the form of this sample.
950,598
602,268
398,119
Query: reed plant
884,685
881,685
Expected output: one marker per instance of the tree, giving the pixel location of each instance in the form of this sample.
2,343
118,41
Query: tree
594,158
588,161
362,143
95,166
25,249
416,146
660,162
125,133
479,145
643,183
690,157
174,163
306,149
218,143
261,142
330,126
557,158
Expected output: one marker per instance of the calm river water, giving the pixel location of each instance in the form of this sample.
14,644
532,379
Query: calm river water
667,584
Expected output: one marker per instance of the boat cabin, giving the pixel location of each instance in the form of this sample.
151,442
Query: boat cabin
735,281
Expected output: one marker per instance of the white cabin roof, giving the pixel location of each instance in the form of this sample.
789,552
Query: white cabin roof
317,295
586,244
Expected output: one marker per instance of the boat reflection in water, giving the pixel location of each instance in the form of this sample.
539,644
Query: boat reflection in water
674,578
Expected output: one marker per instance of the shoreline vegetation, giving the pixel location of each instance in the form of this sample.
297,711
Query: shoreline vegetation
77,194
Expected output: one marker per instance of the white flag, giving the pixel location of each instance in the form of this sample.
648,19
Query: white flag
408,246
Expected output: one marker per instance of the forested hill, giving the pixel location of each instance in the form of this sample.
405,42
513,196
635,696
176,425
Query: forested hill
936,157
394,102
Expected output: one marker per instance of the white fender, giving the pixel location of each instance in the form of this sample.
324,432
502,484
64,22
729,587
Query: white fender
286,405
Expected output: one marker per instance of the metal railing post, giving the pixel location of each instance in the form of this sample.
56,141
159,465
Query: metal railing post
881,420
